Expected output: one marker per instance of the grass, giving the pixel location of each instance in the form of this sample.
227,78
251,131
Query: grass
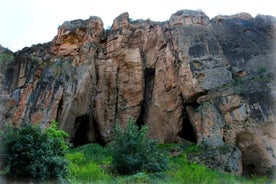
88,164
91,163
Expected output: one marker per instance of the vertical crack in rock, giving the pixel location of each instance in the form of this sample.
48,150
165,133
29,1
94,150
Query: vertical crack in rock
60,108
188,54
117,96
149,76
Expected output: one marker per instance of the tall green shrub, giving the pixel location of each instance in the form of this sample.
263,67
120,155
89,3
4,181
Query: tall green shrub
133,152
29,152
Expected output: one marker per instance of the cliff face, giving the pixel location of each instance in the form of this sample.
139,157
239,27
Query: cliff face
206,81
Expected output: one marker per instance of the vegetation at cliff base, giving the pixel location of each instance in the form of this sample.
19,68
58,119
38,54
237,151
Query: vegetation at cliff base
93,163
30,152
131,158
133,152
89,164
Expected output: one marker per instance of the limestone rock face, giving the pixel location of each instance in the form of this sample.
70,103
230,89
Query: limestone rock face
6,101
207,81
185,17
77,37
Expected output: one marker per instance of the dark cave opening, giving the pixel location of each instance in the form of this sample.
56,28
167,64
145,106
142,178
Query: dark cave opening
60,107
81,130
86,131
249,170
97,136
149,76
140,120
188,132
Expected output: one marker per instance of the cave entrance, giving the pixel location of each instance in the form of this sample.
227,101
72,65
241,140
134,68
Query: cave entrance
149,76
188,131
81,128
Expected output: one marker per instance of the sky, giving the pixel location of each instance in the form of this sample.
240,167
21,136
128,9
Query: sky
27,22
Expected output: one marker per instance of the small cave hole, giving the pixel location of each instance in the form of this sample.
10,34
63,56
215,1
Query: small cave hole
249,170
188,131
81,130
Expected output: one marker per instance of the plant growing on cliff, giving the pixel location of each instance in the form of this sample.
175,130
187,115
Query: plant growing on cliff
30,152
133,152
4,57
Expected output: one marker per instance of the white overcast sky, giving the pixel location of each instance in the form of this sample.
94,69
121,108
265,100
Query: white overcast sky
27,22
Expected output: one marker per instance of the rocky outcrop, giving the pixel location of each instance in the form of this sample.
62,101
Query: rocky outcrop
6,102
207,81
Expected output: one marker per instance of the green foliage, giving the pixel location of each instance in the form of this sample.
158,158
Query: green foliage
94,152
140,177
85,164
30,152
133,152
192,148
4,57
59,136
91,163
82,170
187,172
261,70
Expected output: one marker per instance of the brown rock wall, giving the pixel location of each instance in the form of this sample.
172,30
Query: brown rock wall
214,75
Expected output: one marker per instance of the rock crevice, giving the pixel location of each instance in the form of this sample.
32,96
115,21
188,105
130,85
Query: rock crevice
209,81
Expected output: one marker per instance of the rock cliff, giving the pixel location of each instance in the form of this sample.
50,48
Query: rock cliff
209,81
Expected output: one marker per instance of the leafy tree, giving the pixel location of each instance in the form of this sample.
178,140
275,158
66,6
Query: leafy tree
133,152
30,152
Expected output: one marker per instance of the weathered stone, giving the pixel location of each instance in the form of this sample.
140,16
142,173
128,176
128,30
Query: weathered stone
225,158
184,17
78,37
214,78
208,124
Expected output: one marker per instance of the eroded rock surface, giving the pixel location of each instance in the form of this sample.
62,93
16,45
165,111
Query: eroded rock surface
208,81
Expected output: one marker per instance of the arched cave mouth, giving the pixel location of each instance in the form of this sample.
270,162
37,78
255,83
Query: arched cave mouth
81,128
249,170
86,131
188,132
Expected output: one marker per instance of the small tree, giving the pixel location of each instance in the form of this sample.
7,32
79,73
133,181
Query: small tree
133,152
29,152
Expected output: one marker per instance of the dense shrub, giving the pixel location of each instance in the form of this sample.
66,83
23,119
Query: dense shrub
29,152
133,152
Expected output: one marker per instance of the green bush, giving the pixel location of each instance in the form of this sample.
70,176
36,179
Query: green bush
30,152
4,57
133,152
